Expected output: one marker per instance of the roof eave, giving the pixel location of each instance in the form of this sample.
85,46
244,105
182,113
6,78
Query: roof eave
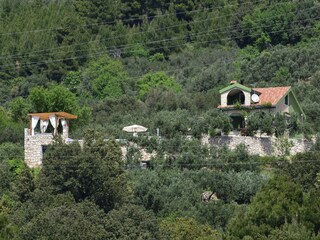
235,85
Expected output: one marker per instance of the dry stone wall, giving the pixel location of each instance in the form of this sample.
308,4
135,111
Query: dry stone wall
33,147
263,146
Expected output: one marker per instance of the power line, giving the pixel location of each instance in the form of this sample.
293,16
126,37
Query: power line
212,164
154,30
155,48
119,36
141,17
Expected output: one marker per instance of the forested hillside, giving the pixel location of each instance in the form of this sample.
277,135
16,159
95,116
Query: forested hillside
157,63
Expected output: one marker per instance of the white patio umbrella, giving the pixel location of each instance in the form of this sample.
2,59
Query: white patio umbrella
135,129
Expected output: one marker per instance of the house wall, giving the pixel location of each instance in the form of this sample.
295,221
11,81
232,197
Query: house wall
294,106
224,99
281,107
263,146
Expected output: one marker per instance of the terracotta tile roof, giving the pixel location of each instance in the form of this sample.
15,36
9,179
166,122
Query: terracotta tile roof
266,95
271,95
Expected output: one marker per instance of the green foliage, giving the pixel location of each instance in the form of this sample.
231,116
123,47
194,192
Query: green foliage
139,51
75,221
216,120
187,228
98,59
7,231
55,99
30,51
309,212
19,109
171,123
237,159
156,80
98,11
279,125
10,151
72,80
293,232
6,177
283,145
269,24
131,222
168,192
23,185
94,172
106,77
303,168
277,203
10,130
157,57
260,121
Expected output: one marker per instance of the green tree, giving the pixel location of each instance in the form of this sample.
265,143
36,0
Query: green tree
260,121
171,123
238,159
216,121
279,125
292,232
156,80
61,99
98,11
19,109
7,230
303,168
10,151
74,221
187,228
310,213
10,130
131,222
94,172
73,81
279,202
107,77
55,99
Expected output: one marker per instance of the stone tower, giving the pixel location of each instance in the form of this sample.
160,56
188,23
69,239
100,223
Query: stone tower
42,128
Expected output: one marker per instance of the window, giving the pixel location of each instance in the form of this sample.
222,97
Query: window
286,100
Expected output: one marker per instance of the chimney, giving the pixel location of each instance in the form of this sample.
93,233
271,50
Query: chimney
233,81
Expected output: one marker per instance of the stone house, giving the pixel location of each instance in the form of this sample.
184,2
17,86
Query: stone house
42,129
237,98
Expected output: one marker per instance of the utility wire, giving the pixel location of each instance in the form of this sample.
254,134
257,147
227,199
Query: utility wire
217,164
155,48
141,17
154,30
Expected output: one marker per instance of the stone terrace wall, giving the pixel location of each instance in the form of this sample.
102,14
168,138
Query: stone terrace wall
263,146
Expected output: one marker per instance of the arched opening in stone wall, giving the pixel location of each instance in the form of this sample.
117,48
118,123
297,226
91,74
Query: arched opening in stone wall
235,96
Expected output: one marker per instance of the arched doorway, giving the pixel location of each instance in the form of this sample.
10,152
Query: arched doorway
237,121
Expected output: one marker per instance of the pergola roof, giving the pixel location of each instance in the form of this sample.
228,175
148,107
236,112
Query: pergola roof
46,116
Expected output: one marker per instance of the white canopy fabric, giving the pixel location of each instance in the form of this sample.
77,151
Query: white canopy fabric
43,125
135,129
34,122
64,123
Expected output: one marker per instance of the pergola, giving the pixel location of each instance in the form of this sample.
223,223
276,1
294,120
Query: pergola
49,117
